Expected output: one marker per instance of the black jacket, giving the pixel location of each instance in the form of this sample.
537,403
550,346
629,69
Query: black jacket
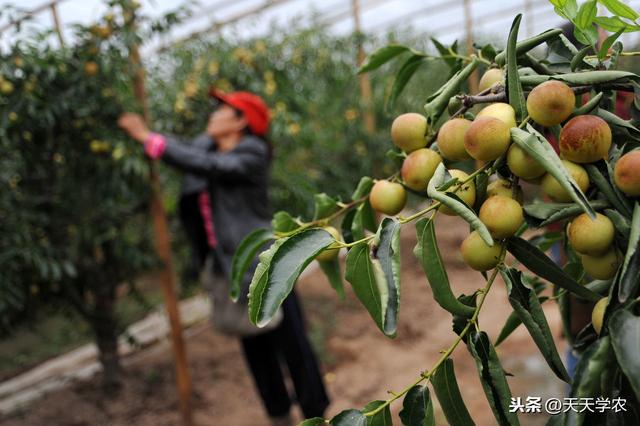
237,182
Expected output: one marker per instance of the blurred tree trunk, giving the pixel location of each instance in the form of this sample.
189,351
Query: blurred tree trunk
105,323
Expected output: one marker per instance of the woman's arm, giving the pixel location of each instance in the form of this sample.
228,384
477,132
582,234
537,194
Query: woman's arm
244,162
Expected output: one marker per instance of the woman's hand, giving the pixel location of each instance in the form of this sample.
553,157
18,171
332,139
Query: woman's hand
134,125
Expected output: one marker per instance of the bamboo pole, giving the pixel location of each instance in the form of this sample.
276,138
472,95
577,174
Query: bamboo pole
56,23
163,248
29,14
365,83
468,25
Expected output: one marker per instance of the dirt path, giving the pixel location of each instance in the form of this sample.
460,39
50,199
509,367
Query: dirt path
360,364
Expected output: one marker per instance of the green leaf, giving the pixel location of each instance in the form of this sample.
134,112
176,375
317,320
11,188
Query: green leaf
606,45
243,256
596,359
446,388
404,76
513,320
528,44
451,62
586,13
624,329
621,223
582,78
526,305
587,35
488,51
620,9
588,107
349,418
332,270
364,218
459,322
614,24
618,125
283,222
597,175
565,8
578,59
437,103
382,56
510,325
456,205
534,144
492,378
417,408
481,182
345,226
381,418
367,280
629,275
538,263
316,421
363,188
324,206
515,93
562,47
428,254
541,214
278,270
388,254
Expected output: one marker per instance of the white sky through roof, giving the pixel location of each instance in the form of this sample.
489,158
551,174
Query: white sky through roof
492,18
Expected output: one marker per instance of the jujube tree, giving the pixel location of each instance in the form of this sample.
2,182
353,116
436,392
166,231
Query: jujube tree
592,184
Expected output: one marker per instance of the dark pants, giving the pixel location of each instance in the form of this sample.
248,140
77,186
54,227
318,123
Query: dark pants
286,344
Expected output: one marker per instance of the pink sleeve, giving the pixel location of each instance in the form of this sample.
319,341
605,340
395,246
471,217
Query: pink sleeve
154,145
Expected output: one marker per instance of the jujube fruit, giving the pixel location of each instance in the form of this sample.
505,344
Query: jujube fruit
487,138
591,236
553,189
388,197
331,252
505,188
522,164
627,173
501,111
478,255
408,131
502,216
466,192
451,139
585,139
601,267
490,78
597,315
550,103
418,168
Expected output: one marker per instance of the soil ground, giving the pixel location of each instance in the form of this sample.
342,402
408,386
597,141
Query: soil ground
359,363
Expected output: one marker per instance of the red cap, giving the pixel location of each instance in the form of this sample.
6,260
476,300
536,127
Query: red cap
252,106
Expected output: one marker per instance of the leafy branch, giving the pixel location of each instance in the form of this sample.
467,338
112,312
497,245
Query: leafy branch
447,353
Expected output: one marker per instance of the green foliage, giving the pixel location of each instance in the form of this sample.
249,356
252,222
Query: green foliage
373,259
75,200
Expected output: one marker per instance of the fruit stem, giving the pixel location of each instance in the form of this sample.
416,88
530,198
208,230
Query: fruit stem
454,55
323,221
609,55
472,321
437,203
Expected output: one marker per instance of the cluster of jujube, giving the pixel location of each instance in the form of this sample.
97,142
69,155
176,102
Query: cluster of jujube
583,139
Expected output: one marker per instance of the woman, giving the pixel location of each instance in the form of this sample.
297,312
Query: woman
224,198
